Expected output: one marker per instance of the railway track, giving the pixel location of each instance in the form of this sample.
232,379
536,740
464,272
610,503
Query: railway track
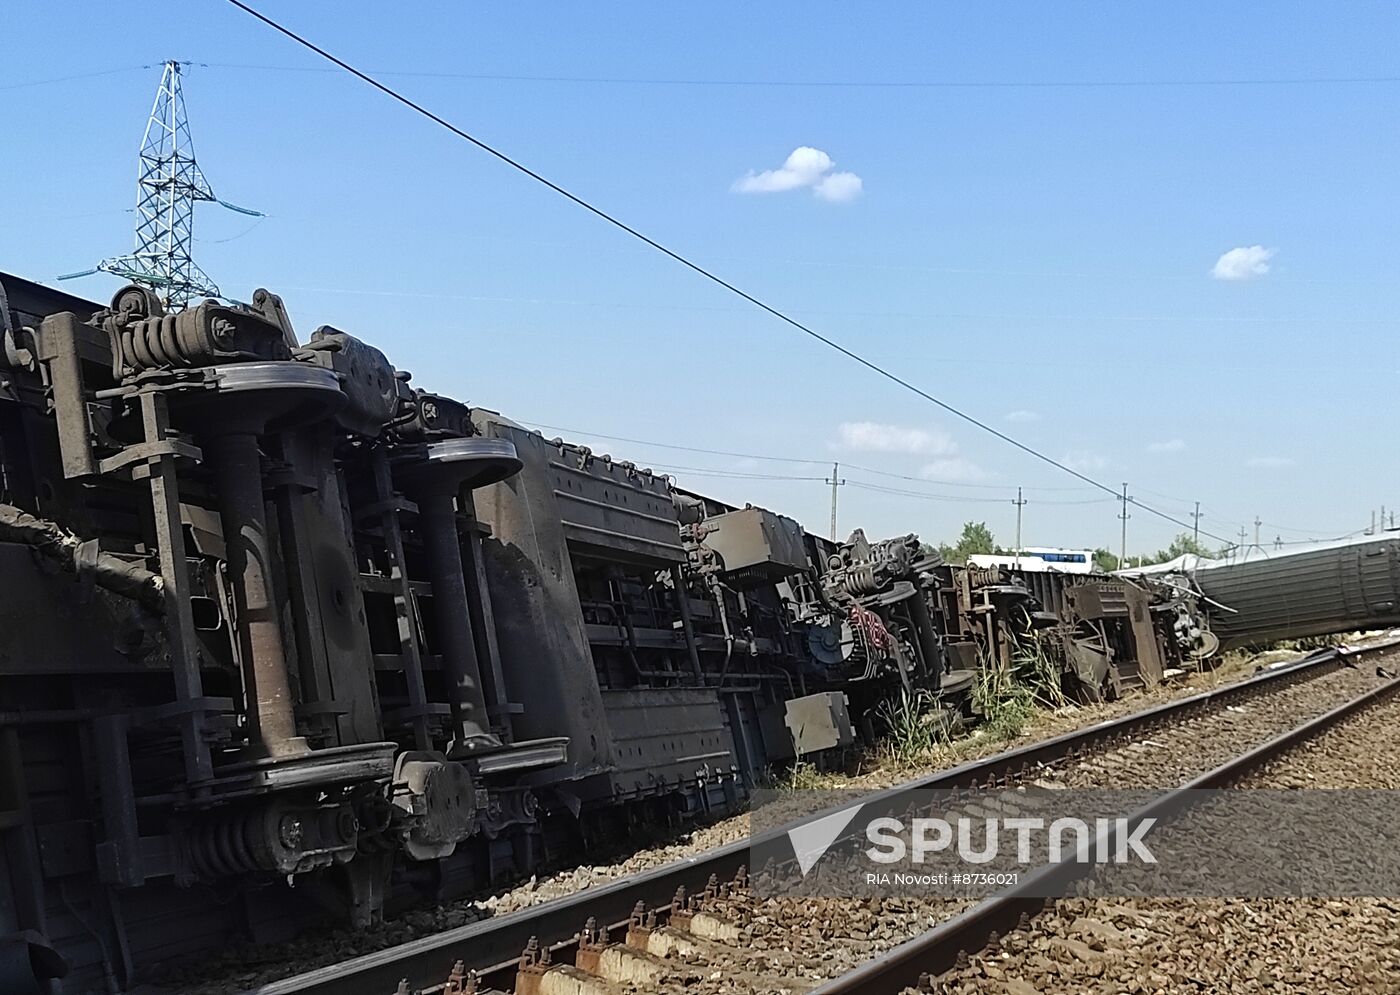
914,965
1125,935
695,926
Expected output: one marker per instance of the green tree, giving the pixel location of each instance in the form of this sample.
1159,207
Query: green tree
1105,561
975,538
1181,545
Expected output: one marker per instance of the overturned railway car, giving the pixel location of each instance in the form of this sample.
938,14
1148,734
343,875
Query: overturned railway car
273,616
282,633
1267,595
1103,635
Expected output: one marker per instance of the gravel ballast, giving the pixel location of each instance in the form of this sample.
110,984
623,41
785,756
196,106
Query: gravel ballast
1156,945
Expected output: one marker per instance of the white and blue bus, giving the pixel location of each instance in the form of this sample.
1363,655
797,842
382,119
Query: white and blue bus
1039,558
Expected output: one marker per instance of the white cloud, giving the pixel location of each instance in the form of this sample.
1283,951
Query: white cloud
1170,446
953,470
1083,460
839,187
1243,263
1268,462
1021,416
877,437
805,167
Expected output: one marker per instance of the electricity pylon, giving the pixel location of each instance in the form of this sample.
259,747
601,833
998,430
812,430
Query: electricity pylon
168,185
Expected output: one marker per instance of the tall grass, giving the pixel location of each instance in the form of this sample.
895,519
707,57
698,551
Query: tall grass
1004,704
803,775
914,726
1041,674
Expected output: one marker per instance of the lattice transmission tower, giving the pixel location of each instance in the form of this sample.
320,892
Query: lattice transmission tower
169,184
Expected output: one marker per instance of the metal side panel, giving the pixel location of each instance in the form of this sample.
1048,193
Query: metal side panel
545,657
1314,592
754,539
55,624
665,737
609,508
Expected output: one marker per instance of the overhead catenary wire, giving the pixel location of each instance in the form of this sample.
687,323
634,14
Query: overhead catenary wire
957,483
696,267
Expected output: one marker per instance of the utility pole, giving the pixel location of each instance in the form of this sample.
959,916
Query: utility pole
169,183
835,480
1257,523
1196,526
1244,534
1123,544
1020,503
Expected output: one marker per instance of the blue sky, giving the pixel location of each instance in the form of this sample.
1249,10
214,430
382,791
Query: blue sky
1040,256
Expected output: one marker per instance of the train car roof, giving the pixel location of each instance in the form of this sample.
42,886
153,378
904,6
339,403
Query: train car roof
1189,563
29,302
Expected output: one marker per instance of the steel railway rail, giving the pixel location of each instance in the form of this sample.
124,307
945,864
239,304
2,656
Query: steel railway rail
487,956
915,963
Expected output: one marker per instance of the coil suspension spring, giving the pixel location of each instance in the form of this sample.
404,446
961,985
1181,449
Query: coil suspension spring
238,843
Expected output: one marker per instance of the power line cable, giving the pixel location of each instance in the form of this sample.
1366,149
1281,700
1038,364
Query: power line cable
64,79
853,84
706,471
696,267
925,495
668,445
786,459
721,475
915,315
753,475
1236,520
881,488
954,483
